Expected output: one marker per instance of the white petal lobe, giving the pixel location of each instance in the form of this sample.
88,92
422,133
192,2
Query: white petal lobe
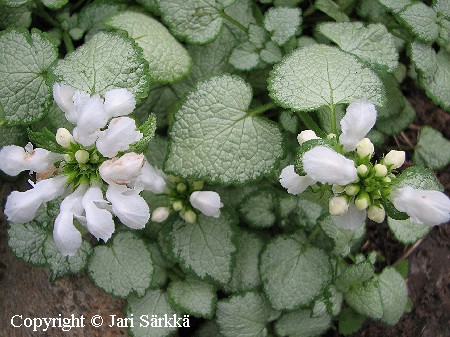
294,183
207,202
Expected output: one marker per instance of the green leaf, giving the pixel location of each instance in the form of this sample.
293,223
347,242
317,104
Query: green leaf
331,9
142,309
442,7
107,61
160,266
283,23
432,149
354,274
421,20
292,275
392,212
259,208
365,299
13,135
209,328
26,241
403,268
350,321
196,21
257,35
61,266
157,150
46,140
300,324
396,123
319,75
394,6
54,120
24,96
372,44
123,267
417,177
151,5
15,17
193,297
289,121
245,275
394,295
148,132
244,315
168,60
206,247
271,53
54,4
215,138
244,57
406,231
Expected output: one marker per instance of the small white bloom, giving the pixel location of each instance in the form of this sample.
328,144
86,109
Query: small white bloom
99,220
64,137
305,136
380,170
119,102
189,216
338,205
128,206
207,202
352,219
394,159
365,148
376,213
122,170
21,207
63,96
160,214
152,179
327,166
82,156
67,237
362,170
423,206
358,121
121,132
15,159
294,183
361,203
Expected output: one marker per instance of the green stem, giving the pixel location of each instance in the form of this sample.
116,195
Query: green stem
311,124
261,109
40,11
333,119
67,42
233,21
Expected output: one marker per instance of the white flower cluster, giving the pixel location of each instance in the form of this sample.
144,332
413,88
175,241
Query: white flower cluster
359,187
87,168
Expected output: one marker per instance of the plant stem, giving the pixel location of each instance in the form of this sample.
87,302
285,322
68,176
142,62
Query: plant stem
233,21
40,11
333,119
67,42
262,109
311,124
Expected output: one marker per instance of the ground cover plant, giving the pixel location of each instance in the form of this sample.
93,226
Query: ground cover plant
220,159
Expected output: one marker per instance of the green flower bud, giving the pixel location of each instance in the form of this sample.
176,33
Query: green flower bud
362,170
189,216
362,201
352,189
338,188
380,170
82,156
181,187
177,205
376,213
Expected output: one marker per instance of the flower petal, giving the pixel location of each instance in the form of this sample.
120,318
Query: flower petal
99,221
358,121
21,207
119,102
423,206
63,96
294,183
207,202
152,179
120,133
128,206
352,219
327,166
122,170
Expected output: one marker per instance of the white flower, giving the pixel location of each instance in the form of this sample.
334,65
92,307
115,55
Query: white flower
376,213
294,183
338,205
358,121
63,95
15,159
352,219
152,179
365,148
122,170
119,102
423,206
64,137
394,159
99,220
21,207
128,206
207,202
327,166
160,214
120,133
380,170
67,237
305,136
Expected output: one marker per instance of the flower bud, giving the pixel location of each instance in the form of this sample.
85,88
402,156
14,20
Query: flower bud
160,214
331,136
68,158
362,201
376,213
352,189
380,170
82,156
177,205
305,136
181,187
362,170
365,148
387,179
338,205
207,202
394,159
338,188
64,137
197,185
122,170
189,216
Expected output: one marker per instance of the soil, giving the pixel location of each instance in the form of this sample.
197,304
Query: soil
25,290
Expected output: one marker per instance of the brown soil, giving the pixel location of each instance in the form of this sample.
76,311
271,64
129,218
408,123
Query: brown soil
25,290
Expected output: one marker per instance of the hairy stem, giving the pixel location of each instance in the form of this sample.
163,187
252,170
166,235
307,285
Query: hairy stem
311,124
233,21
